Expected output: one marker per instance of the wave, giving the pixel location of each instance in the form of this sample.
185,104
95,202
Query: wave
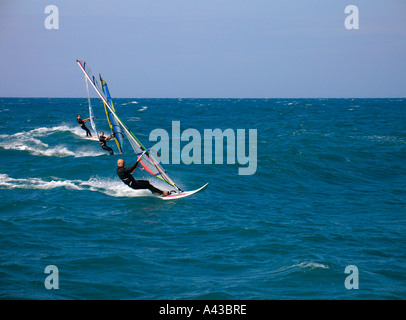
299,267
113,188
7,182
310,265
131,102
129,119
46,131
386,139
29,141
107,186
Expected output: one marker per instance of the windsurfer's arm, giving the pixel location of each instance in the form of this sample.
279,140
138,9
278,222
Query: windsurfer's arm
134,166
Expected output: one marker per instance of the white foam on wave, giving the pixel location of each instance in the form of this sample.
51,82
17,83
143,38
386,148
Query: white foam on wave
114,188
29,141
44,131
310,265
107,186
303,266
131,102
7,182
385,139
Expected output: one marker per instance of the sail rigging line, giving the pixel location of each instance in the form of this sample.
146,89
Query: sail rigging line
135,143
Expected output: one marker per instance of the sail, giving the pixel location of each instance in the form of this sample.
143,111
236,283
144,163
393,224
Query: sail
149,163
91,115
114,126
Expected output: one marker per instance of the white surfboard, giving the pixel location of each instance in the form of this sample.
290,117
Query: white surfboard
183,194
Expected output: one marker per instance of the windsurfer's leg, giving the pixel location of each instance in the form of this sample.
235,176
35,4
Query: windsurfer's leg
144,184
108,149
88,133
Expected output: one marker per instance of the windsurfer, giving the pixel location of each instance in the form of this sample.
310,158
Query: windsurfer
81,122
126,176
103,140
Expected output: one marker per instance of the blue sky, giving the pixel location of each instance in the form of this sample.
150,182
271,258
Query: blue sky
205,48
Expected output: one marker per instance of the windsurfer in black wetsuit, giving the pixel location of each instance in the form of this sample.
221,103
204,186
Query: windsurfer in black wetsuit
83,126
129,180
103,140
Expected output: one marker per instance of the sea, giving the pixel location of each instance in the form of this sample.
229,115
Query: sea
321,215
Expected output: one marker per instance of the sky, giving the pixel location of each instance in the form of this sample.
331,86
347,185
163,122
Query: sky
205,48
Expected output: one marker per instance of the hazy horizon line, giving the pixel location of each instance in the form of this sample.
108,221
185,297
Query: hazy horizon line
201,98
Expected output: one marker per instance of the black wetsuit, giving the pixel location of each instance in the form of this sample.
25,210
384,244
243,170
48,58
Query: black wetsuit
128,179
102,141
83,126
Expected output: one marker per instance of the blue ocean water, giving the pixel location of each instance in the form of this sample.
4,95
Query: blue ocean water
328,192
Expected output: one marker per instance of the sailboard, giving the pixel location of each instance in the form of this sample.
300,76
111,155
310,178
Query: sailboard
147,160
183,194
113,123
91,115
